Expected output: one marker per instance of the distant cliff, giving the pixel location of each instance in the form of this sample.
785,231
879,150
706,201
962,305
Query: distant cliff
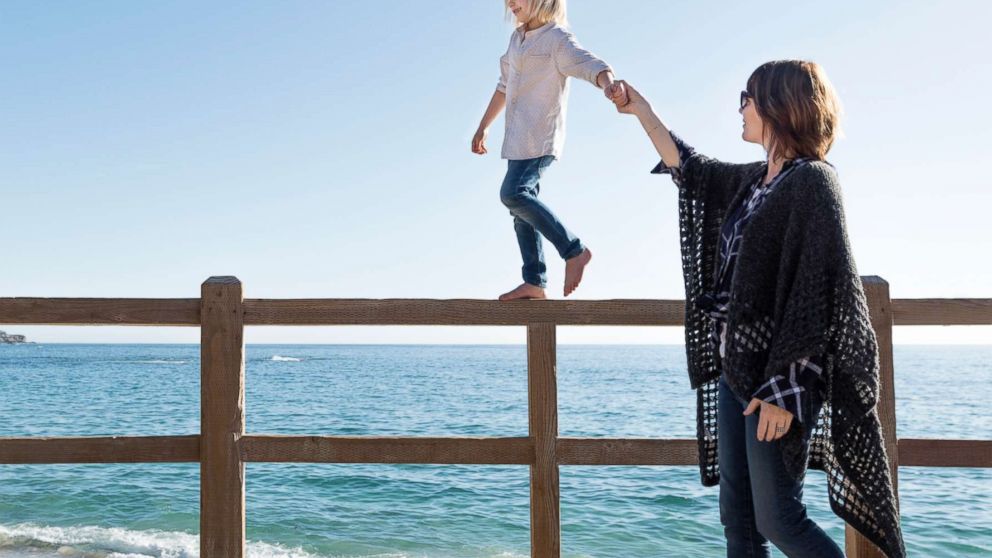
11,339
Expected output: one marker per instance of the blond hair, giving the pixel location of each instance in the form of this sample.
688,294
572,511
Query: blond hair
544,11
799,107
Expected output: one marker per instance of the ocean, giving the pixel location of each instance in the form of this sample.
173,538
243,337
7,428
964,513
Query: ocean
430,511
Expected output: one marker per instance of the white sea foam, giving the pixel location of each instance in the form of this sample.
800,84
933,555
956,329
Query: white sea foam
112,542
41,541
278,358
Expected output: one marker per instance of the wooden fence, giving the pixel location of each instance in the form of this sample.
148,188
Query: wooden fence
223,447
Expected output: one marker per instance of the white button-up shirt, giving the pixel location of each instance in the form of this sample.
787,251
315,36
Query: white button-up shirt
534,77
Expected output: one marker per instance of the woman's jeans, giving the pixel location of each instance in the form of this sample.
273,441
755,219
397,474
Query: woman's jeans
530,217
759,501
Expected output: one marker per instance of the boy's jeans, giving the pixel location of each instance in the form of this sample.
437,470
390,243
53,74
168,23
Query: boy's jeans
759,501
519,194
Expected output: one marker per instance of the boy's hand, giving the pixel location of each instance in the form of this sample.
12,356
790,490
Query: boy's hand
479,142
616,92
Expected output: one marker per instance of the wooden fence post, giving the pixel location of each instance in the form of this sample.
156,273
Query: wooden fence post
222,418
542,389
880,310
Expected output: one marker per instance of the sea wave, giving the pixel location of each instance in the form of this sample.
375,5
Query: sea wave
278,358
88,541
112,542
146,361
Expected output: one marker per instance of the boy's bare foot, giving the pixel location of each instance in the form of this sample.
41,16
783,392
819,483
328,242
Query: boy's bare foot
574,268
526,291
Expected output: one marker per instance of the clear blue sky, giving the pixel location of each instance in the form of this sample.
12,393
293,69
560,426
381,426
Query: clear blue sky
321,149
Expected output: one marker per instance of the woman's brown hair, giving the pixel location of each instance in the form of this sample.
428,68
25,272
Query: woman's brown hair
798,105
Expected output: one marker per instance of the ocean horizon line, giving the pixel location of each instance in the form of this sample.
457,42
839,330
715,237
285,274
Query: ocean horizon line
453,344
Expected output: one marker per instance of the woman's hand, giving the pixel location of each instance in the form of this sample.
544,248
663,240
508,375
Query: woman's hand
635,101
479,141
773,421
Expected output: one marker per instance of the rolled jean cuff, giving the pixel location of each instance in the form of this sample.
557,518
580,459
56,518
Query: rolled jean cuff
574,250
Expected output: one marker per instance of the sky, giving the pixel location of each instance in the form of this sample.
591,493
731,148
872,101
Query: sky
320,149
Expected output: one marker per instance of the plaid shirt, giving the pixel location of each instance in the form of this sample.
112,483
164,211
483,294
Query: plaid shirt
790,389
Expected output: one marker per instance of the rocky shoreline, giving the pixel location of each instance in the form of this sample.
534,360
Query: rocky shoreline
6,339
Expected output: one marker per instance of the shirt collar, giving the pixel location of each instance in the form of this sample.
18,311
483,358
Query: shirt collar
534,32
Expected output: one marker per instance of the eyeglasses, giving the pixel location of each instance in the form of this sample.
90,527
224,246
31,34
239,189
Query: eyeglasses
745,97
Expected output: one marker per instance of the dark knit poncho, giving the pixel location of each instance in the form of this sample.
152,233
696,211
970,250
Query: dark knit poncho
795,292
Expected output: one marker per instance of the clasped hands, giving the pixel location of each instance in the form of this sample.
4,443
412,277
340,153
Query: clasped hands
626,98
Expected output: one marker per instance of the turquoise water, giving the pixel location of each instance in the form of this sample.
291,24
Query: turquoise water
320,510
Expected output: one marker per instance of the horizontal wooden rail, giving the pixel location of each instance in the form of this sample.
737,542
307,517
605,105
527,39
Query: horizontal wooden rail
463,312
945,453
476,451
100,449
942,311
374,449
621,451
313,312
101,311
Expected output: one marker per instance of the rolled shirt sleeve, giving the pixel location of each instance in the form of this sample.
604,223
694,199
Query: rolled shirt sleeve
792,389
504,72
574,61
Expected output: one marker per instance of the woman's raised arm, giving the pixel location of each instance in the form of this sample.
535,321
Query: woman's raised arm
653,126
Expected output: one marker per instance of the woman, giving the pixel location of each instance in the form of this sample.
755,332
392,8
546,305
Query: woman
779,344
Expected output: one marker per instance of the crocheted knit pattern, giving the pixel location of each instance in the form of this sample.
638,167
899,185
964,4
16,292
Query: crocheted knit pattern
795,292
